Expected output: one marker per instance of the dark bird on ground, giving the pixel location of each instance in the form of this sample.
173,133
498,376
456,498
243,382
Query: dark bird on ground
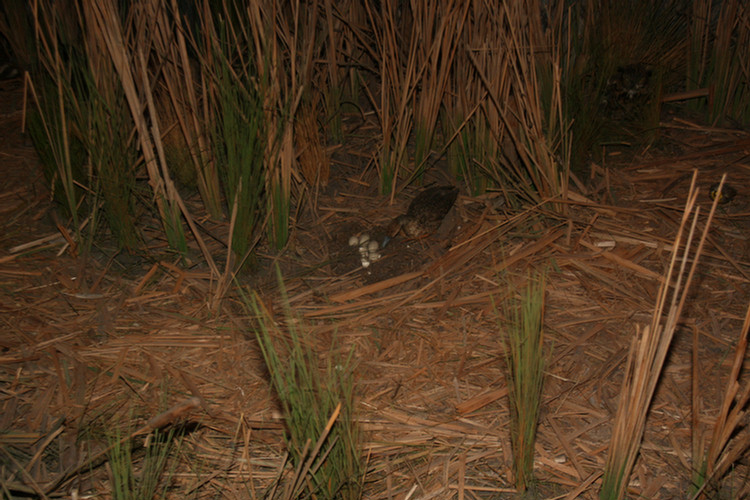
425,214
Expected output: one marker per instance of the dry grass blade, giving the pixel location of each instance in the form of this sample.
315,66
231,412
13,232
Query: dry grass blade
727,443
648,352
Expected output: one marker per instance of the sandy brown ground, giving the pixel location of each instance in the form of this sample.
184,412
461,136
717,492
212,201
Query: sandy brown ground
87,345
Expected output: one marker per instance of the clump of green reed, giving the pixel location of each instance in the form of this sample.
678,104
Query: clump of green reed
62,153
439,28
415,49
395,53
730,439
110,143
525,360
130,37
115,162
463,152
153,479
81,127
501,129
239,137
473,123
541,138
648,353
57,122
339,45
183,100
309,397
284,56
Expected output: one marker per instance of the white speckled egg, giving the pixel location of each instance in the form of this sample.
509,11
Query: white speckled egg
373,246
353,241
364,239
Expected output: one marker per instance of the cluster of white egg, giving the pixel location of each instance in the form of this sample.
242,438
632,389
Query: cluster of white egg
369,250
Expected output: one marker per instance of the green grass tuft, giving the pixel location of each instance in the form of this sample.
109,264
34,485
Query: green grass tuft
154,476
309,396
525,359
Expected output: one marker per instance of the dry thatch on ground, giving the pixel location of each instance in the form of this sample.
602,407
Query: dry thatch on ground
91,345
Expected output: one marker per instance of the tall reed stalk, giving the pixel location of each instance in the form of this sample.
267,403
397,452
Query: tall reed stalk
525,359
649,350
